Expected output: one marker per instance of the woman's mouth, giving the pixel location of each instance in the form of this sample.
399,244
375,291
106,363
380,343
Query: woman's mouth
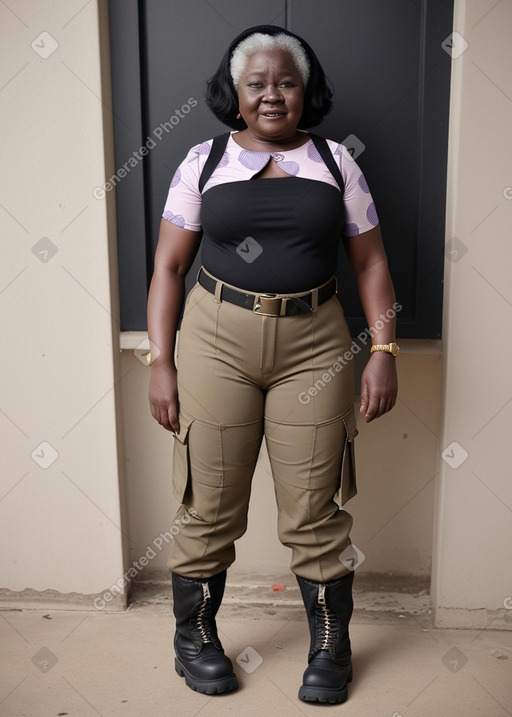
273,115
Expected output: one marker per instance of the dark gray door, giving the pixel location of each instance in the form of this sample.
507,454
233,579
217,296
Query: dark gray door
390,75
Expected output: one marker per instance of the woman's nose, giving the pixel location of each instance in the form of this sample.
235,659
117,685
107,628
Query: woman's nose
272,94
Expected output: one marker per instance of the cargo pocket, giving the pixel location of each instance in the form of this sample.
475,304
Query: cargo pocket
181,458
348,487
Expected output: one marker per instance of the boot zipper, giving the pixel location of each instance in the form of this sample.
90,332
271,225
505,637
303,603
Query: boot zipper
204,627
321,594
325,625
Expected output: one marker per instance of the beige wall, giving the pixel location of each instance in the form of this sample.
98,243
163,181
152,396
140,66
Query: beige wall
68,385
472,574
60,523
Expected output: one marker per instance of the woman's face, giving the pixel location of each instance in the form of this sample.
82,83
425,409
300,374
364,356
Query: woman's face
271,95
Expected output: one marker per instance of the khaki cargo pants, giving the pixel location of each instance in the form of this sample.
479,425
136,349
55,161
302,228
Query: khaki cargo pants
242,376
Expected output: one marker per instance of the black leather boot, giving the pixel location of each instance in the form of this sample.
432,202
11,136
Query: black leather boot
200,658
329,609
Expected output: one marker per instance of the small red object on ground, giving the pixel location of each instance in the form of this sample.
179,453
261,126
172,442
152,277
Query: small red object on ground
276,587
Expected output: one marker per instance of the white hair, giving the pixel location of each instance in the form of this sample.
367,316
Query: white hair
259,41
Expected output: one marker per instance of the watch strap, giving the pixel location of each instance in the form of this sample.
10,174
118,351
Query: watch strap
391,348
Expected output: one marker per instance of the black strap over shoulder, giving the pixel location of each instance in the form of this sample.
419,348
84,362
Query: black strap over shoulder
218,146
326,154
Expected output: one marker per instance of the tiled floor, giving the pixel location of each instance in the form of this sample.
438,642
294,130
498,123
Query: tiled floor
82,664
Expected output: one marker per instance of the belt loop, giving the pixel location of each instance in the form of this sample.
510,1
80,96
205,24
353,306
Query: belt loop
314,299
218,291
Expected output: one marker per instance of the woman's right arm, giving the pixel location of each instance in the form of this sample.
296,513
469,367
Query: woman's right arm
174,256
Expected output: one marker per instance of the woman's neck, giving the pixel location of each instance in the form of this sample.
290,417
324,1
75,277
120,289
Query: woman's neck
255,143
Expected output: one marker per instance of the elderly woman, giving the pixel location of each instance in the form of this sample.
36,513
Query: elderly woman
260,329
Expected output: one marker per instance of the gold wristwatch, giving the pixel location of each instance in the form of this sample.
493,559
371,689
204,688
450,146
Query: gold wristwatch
391,348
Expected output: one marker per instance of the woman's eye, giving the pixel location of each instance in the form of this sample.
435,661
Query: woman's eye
258,85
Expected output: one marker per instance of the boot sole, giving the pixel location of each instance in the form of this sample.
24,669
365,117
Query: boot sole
321,694
206,687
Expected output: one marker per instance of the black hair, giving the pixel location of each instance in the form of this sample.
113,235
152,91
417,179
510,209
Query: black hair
222,98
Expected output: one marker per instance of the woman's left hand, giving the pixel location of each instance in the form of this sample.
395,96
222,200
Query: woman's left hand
379,385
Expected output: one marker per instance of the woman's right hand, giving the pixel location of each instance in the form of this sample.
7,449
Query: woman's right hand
163,396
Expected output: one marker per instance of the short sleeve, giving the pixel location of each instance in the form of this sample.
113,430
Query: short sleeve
360,211
183,204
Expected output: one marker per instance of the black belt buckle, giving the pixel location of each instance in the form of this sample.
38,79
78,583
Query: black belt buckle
268,304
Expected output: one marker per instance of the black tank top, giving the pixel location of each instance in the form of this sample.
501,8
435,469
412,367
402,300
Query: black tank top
278,235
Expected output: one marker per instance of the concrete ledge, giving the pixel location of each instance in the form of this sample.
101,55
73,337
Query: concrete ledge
139,340
133,339
376,596
29,599
479,619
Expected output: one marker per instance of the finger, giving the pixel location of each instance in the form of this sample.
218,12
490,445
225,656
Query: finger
164,419
383,408
173,420
364,397
389,402
384,405
373,409
155,412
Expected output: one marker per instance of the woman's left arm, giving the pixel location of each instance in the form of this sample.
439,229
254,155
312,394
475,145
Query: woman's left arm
379,383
